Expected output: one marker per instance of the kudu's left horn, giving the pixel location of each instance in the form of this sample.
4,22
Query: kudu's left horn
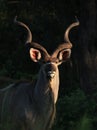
67,44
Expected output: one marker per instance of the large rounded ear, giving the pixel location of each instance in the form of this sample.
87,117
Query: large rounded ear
35,54
64,55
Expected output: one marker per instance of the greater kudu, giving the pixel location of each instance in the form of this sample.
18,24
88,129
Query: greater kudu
31,106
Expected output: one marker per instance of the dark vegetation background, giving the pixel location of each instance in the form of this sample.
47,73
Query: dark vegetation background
77,103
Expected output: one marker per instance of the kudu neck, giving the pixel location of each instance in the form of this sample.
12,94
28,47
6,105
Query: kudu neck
45,88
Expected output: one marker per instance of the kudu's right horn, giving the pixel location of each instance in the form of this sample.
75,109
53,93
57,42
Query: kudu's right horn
29,39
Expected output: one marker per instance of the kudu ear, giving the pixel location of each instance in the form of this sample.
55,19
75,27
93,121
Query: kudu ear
35,54
64,55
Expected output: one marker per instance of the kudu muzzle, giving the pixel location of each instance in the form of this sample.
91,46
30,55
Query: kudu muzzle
50,70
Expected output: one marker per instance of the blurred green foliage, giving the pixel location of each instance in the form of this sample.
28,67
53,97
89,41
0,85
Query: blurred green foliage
76,111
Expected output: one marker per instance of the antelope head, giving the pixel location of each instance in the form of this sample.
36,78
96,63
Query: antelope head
39,54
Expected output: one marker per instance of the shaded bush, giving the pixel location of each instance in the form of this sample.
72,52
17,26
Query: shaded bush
76,111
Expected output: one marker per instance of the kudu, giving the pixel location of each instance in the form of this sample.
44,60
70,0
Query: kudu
31,106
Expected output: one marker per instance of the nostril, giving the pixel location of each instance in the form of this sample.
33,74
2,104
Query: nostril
51,74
